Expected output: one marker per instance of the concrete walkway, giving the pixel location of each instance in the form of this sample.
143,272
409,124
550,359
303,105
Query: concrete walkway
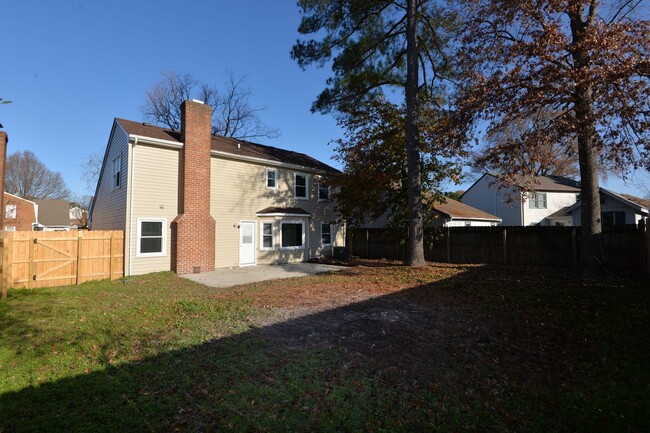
227,277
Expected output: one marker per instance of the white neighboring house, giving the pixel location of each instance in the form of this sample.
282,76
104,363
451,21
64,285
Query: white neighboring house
517,208
615,209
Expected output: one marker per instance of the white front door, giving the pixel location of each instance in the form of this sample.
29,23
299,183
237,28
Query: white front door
246,243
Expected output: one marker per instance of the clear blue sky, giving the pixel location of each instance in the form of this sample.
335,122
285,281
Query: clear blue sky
70,67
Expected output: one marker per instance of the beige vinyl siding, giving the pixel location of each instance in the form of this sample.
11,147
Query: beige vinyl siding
154,195
238,192
109,212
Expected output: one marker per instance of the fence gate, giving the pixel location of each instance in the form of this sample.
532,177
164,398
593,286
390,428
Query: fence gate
45,259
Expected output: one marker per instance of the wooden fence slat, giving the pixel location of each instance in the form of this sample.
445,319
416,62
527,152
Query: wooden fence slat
44,259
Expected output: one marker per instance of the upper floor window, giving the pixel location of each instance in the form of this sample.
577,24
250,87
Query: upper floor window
271,178
117,172
300,186
323,192
10,211
537,200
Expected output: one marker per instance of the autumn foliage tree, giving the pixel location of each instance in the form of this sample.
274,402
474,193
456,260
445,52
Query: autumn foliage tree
586,60
509,145
374,182
381,52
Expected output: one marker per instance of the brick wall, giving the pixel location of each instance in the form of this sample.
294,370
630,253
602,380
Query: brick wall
25,214
193,230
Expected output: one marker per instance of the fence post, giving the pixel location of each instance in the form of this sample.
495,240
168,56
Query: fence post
647,243
79,240
574,247
112,251
3,252
367,243
352,241
8,262
505,246
448,244
32,246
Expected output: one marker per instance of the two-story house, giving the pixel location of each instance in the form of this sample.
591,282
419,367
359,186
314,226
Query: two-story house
545,205
190,201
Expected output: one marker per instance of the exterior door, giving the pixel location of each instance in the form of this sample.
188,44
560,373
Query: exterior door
246,243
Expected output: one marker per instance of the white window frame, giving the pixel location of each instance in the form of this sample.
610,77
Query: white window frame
535,200
10,228
295,186
10,210
162,253
324,224
329,192
266,178
117,174
304,234
262,247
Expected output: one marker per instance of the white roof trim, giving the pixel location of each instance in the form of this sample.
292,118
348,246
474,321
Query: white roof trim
156,141
475,219
19,198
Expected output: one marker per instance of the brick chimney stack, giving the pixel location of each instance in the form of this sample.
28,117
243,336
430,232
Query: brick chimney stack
4,139
193,230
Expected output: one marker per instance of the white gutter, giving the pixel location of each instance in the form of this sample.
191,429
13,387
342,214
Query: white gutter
304,215
157,141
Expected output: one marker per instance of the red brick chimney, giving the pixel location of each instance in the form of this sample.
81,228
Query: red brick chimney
4,139
193,230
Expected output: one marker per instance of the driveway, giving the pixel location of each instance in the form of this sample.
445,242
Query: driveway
227,277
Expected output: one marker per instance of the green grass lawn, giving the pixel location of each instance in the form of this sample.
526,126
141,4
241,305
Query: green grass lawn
374,348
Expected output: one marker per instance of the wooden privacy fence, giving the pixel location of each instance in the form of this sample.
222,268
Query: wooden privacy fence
625,248
45,259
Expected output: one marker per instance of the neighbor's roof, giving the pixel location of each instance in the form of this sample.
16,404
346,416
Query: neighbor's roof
457,210
548,183
53,212
640,201
230,146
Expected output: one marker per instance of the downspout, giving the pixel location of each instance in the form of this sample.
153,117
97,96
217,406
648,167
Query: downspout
131,169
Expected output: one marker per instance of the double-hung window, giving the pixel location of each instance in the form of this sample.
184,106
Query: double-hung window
271,178
323,192
266,233
10,211
537,200
117,172
300,186
326,234
152,237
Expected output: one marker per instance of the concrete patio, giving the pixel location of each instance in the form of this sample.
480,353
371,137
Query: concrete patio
228,277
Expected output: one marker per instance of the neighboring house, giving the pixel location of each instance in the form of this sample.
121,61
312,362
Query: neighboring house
78,217
552,194
615,209
453,213
189,201
20,214
53,215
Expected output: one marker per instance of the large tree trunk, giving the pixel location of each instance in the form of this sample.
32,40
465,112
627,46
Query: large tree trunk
591,259
415,249
590,220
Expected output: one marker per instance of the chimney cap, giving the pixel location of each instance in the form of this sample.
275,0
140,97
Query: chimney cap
198,102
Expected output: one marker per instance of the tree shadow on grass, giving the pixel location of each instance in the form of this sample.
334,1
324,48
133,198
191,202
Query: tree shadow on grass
461,354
